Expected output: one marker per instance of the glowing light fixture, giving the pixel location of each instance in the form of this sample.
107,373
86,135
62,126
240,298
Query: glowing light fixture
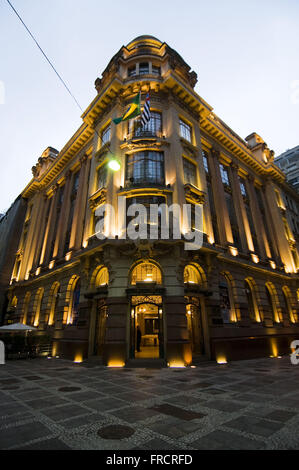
254,258
272,264
176,364
114,164
233,251
221,360
115,363
78,358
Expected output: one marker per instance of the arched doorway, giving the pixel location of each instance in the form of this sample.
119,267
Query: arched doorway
146,332
194,324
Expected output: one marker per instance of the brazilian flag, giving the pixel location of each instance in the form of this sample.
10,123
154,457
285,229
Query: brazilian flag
132,111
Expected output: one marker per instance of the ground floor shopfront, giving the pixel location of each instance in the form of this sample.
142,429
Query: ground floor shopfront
161,304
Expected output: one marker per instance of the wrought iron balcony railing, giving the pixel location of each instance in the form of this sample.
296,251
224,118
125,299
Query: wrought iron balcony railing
144,134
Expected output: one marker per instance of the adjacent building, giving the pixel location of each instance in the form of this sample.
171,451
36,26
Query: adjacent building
11,227
235,297
288,162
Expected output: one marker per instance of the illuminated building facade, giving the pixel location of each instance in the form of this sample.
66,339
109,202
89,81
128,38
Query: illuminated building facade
236,297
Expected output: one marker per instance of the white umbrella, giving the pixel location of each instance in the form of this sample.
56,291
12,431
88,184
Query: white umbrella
16,327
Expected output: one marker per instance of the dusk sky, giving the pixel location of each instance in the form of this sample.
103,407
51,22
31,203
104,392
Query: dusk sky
246,55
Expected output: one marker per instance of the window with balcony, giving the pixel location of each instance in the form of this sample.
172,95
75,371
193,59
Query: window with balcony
143,68
132,71
189,172
145,167
152,129
185,130
156,70
106,135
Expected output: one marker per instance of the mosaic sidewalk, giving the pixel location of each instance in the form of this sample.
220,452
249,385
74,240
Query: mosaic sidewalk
56,404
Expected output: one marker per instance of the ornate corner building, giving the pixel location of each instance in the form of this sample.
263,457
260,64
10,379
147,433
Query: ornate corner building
236,297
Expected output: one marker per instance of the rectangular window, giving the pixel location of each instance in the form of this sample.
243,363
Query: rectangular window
243,187
106,135
102,176
189,172
205,162
75,184
143,68
147,166
185,131
224,174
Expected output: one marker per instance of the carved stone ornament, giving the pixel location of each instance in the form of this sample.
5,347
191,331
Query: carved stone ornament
193,194
98,198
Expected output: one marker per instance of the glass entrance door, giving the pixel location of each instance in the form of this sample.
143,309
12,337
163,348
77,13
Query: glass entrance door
146,330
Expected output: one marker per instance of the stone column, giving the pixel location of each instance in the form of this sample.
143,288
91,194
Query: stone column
271,234
91,189
41,233
278,228
173,155
202,184
224,226
47,242
115,346
33,231
116,178
178,347
62,224
260,231
92,327
243,224
80,205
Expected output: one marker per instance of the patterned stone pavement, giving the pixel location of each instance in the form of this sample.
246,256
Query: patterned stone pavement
56,404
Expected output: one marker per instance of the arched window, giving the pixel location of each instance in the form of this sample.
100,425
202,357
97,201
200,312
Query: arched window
26,307
146,272
74,310
227,304
250,291
288,303
272,301
102,278
14,302
192,275
72,298
53,302
37,305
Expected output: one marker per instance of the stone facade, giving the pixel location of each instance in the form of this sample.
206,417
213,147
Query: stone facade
236,297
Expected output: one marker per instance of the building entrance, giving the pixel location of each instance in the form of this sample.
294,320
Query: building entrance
146,327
